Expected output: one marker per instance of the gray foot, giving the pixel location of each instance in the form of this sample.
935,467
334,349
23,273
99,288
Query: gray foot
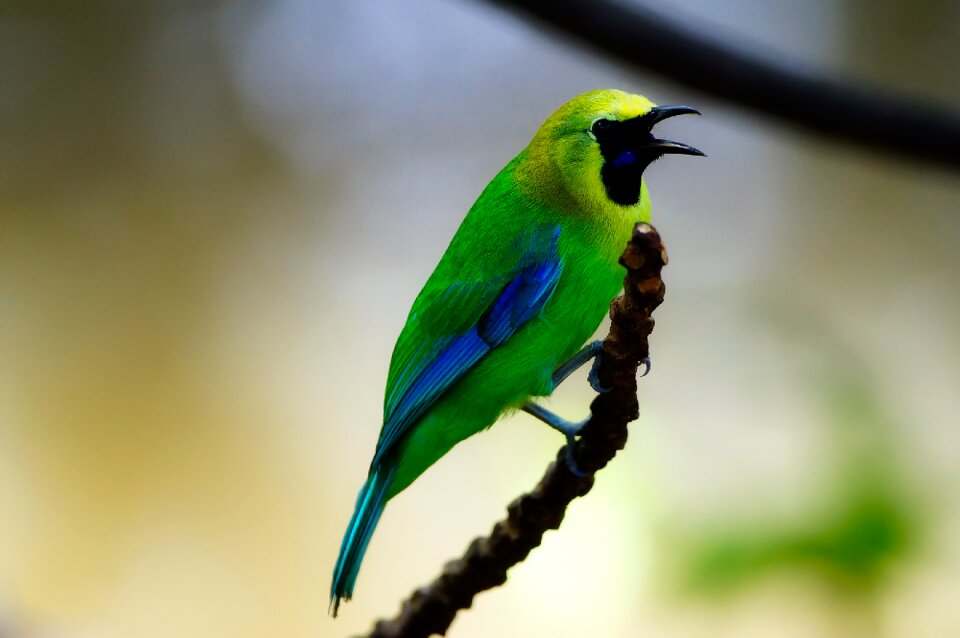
569,429
587,352
594,376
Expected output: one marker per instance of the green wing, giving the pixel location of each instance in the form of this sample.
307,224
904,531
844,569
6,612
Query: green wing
462,314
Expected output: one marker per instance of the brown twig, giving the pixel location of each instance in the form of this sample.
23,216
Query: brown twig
431,609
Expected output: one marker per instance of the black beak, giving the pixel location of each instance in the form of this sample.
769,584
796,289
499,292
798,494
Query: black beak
629,146
660,113
666,147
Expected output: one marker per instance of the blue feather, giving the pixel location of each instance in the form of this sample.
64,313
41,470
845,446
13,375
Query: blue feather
523,298
458,357
366,514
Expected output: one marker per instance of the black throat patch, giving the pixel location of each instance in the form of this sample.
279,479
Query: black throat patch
627,151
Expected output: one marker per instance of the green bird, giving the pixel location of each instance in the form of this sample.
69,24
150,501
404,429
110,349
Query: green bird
525,282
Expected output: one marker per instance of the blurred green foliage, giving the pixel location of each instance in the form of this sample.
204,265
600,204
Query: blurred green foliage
865,520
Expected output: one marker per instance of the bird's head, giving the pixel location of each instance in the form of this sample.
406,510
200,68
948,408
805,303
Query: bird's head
595,148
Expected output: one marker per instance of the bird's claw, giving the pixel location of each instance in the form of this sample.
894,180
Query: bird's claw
646,366
594,376
571,459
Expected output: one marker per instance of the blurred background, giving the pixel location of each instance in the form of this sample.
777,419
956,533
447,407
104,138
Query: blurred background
214,217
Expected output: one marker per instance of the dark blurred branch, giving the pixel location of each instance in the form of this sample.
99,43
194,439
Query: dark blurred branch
431,609
840,110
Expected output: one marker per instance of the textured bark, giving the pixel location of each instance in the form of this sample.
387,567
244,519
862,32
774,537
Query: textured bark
431,609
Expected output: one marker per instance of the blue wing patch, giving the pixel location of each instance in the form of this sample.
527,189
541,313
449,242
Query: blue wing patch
519,301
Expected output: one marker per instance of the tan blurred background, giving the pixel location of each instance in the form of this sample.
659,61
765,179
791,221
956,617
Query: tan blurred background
214,217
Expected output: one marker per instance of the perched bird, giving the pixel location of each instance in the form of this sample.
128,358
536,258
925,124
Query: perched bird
525,282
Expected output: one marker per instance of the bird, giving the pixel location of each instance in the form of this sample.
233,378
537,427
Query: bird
524,283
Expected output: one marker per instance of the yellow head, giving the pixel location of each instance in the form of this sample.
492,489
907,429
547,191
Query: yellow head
592,152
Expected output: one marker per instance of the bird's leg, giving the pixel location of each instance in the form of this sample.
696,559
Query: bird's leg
568,428
590,351
593,350
558,423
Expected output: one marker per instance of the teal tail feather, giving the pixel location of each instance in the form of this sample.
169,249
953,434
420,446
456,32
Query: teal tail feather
366,514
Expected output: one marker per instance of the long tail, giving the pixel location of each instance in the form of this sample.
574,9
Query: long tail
366,513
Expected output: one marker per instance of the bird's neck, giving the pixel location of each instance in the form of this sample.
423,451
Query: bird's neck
541,179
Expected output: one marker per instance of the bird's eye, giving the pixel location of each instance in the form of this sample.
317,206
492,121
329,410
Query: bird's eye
601,127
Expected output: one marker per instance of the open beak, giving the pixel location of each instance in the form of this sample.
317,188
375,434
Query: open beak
628,147
665,147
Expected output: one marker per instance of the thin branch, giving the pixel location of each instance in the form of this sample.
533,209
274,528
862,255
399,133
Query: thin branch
842,110
431,609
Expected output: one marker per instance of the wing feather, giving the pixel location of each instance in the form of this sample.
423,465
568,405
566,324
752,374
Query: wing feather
451,329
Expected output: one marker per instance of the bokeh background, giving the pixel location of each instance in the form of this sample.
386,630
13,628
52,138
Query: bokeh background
214,217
